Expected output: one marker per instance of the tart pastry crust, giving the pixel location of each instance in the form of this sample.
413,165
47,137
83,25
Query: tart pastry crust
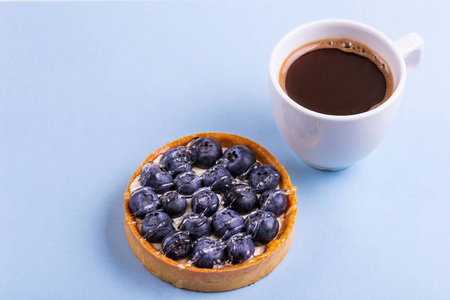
228,277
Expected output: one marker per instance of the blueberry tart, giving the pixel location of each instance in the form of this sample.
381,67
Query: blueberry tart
210,212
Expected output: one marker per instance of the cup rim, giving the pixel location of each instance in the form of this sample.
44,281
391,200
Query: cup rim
396,93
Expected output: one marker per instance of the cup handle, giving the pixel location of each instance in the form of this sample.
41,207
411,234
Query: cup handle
411,48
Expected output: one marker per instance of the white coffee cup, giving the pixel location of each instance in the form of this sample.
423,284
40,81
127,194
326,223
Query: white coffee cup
335,142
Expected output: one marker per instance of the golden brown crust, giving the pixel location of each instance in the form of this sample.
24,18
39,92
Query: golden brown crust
228,277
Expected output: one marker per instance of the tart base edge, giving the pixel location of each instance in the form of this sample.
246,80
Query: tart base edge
214,280
209,281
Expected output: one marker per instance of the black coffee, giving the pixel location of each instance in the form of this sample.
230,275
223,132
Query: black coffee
336,77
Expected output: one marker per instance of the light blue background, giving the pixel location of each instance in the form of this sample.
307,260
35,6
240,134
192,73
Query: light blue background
88,90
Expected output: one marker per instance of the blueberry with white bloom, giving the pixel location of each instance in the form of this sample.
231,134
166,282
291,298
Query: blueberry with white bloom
208,253
263,178
196,225
218,178
173,203
176,161
273,200
156,225
205,201
240,247
241,198
187,183
204,152
177,245
142,201
262,226
153,176
226,222
237,159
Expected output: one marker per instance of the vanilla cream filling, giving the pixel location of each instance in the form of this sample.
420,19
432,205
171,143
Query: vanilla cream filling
259,249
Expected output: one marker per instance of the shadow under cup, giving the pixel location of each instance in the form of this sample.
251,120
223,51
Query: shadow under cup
333,142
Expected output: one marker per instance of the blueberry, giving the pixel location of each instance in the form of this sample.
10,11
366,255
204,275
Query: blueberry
156,225
226,222
196,225
177,245
142,201
238,159
204,152
240,247
176,161
153,176
217,177
273,200
241,198
262,226
187,183
263,178
208,253
205,201
173,203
